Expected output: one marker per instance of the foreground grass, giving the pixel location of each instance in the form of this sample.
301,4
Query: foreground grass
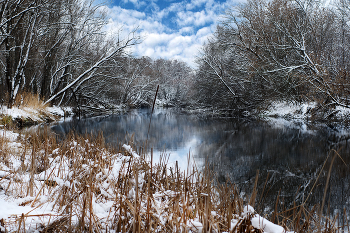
80,185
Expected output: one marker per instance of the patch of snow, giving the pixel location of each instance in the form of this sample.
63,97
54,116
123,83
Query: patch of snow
342,112
290,110
9,135
261,223
35,114
14,112
265,225
195,226
11,208
284,115
56,110
130,150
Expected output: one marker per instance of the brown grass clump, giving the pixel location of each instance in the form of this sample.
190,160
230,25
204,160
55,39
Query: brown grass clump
29,100
72,180
32,111
6,122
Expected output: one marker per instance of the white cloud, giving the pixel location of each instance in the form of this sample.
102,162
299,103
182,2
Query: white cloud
173,46
174,7
186,30
136,3
200,18
198,3
204,31
155,39
129,20
160,41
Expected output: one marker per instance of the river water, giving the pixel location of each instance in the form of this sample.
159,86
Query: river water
288,154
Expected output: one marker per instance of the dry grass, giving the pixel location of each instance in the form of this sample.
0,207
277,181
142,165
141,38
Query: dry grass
30,110
79,175
7,122
29,100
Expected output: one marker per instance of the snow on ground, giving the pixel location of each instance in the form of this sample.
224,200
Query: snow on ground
32,211
284,115
290,110
39,209
342,112
36,115
261,223
9,135
60,111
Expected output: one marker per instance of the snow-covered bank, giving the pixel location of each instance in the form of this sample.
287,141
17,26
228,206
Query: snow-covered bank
35,115
304,116
289,110
303,111
80,185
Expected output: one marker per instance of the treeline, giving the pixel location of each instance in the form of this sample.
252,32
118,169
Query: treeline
296,50
139,78
58,49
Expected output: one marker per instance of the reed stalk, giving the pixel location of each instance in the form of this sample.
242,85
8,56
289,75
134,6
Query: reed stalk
147,196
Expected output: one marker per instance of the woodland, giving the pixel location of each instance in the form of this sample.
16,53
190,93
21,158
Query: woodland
262,51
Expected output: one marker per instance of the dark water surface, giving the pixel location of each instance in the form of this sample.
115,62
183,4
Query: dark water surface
288,154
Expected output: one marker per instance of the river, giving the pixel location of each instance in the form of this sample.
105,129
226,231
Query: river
289,154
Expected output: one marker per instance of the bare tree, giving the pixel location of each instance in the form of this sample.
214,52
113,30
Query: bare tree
291,49
18,24
94,69
57,49
175,82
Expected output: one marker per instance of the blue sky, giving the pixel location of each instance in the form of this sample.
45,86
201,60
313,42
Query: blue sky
171,29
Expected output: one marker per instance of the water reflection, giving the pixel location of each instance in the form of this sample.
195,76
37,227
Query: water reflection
289,156
174,134
289,160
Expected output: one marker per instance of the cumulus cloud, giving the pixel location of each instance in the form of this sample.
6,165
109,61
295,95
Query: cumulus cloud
185,30
177,31
174,7
137,3
199,3
200,18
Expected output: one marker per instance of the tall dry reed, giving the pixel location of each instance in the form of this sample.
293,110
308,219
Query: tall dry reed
79,175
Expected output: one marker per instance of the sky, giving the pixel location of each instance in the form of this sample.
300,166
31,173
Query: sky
170,29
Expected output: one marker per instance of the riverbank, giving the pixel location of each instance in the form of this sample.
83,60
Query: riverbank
306,111
283,110
31,115
28,116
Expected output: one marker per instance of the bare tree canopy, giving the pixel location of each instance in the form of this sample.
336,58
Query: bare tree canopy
56,49
281,49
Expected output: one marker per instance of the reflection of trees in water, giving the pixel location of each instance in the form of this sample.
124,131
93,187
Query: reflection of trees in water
288,161
168,129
